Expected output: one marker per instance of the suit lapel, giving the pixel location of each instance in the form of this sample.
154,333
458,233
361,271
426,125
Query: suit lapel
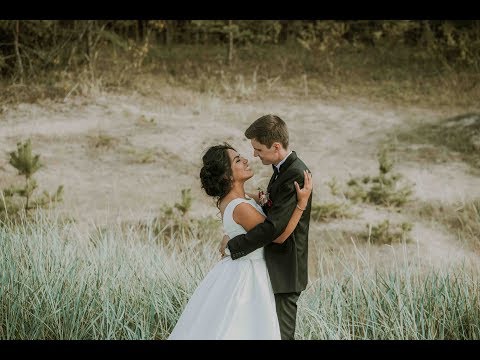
283,168
271,182
288,162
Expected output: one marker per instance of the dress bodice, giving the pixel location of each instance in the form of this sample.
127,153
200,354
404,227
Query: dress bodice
232,229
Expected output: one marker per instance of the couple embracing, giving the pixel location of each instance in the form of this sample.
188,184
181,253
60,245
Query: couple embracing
252,292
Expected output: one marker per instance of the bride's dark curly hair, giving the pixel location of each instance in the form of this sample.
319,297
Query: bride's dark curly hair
216,172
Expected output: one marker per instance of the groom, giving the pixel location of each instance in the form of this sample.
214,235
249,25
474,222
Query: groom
287,262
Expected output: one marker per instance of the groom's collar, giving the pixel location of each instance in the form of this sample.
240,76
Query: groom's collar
287,160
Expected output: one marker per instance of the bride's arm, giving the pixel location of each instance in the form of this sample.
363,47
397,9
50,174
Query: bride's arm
292,224
248,217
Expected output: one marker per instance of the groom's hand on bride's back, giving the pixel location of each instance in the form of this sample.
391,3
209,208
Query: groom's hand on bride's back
223,245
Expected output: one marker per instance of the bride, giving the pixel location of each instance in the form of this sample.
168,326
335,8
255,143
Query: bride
235,300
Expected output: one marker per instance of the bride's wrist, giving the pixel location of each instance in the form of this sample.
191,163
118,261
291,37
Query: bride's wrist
301,206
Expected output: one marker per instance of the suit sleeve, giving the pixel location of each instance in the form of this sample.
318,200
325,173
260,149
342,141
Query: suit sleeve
276,222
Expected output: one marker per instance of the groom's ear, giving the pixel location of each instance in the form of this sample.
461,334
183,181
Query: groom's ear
277,146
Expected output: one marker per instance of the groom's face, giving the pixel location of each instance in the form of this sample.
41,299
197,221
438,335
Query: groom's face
268,156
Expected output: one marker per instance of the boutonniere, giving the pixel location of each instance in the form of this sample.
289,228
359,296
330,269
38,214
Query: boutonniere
264,198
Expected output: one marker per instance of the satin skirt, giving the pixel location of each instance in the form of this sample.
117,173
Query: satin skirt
234,301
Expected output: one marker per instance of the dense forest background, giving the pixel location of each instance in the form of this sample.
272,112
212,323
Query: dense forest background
55,58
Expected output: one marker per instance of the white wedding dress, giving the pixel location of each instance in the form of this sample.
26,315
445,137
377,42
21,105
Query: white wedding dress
235,300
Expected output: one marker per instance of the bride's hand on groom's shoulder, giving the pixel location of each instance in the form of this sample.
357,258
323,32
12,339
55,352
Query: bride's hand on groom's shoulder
304,193
223,245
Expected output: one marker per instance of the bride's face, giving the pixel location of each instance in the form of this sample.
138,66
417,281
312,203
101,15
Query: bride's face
240,169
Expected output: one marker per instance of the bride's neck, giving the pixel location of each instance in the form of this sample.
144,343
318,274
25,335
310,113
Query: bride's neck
238,190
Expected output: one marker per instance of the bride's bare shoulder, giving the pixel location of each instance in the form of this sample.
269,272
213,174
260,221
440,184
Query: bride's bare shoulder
223,204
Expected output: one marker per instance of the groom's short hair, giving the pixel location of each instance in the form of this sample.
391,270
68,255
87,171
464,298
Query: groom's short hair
267,130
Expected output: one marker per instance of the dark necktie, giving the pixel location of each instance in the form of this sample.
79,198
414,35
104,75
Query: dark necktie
275,171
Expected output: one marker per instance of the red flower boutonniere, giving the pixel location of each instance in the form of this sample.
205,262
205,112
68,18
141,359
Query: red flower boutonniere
264,198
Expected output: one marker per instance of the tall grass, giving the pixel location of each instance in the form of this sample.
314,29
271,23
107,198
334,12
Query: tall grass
61,282
399,304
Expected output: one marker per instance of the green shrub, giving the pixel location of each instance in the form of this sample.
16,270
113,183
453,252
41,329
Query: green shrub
15,200
383,189
386,233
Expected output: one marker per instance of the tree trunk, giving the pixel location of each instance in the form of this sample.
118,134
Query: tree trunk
55,32
16,33
27,203
141,29
230,42
169,31
77,28
89,38
283,36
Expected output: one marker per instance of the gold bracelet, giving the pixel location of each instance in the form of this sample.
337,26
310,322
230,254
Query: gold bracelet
299,208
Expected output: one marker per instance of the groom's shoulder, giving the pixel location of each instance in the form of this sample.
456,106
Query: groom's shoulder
300,164
295,165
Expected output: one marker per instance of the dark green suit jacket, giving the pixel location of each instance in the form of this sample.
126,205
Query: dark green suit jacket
287,263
